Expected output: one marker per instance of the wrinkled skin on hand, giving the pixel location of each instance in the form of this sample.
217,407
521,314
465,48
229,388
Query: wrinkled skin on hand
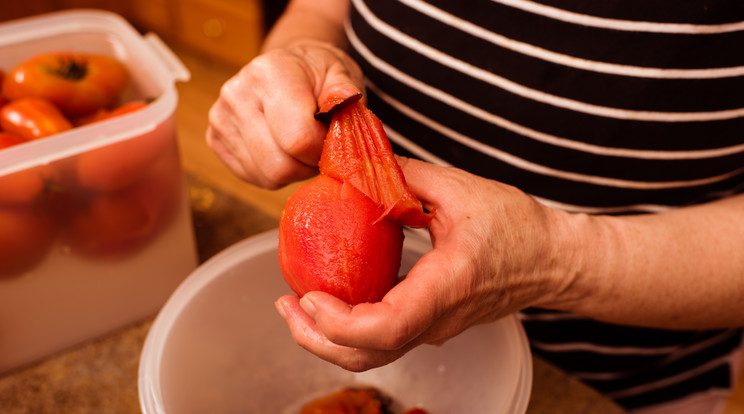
492,247
262,125
263,129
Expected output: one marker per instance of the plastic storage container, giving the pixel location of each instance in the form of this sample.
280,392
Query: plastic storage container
219,346
109,236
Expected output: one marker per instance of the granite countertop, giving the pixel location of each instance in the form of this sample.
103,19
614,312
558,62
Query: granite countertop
101,376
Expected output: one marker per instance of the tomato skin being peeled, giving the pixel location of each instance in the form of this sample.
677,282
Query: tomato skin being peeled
77,83
331,240
341,233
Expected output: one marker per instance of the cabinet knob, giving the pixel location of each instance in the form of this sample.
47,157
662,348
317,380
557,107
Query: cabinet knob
212,28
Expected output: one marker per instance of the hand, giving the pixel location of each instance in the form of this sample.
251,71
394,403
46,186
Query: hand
494,253
262,125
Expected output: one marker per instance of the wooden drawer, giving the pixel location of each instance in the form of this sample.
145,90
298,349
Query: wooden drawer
11,9
230,30
153,15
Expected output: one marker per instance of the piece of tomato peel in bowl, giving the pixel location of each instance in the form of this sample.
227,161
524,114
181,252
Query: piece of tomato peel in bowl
342,232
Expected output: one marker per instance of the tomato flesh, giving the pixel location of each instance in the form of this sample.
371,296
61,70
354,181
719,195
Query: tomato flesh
341,233
331,240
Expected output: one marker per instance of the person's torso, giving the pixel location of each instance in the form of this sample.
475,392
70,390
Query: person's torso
607,107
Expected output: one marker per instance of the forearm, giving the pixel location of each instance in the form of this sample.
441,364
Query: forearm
303,20
679,269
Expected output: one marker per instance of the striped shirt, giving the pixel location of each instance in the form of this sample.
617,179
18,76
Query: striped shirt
603,107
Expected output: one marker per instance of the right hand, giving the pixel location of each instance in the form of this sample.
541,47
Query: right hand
496,250
262,125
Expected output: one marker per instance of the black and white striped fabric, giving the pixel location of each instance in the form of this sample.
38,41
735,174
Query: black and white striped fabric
604,107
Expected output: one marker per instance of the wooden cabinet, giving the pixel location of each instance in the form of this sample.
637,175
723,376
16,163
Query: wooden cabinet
230,31
12,9
153,15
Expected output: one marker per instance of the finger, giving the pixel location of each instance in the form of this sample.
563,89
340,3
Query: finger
295,130
343,80
402,319
306,334
225,155
252,154
272,166
336,95
219,129
289,105
421,177
240,134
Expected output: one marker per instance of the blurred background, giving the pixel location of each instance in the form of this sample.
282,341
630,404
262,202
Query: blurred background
213,38
227,30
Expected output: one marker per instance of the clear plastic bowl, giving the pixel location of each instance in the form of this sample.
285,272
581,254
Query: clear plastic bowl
80,273
219,346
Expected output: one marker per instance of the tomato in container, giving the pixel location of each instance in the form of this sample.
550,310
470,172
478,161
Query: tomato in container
104,114
3,99
119,165
92,244
77,83
110,224
28,186
25,237
33,118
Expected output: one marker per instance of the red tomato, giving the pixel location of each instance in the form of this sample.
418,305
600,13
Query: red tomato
109,224
116,223
8,140
78,83
25,237
33,118
3,100
25,186
349,401
122,164
331,239
104,114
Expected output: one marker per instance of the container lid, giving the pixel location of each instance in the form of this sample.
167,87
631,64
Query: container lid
153,66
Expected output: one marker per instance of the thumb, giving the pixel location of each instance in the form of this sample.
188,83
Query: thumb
343,83
422,178
335,96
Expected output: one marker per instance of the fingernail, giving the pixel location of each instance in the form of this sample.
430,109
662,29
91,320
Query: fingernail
308,306
279,305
